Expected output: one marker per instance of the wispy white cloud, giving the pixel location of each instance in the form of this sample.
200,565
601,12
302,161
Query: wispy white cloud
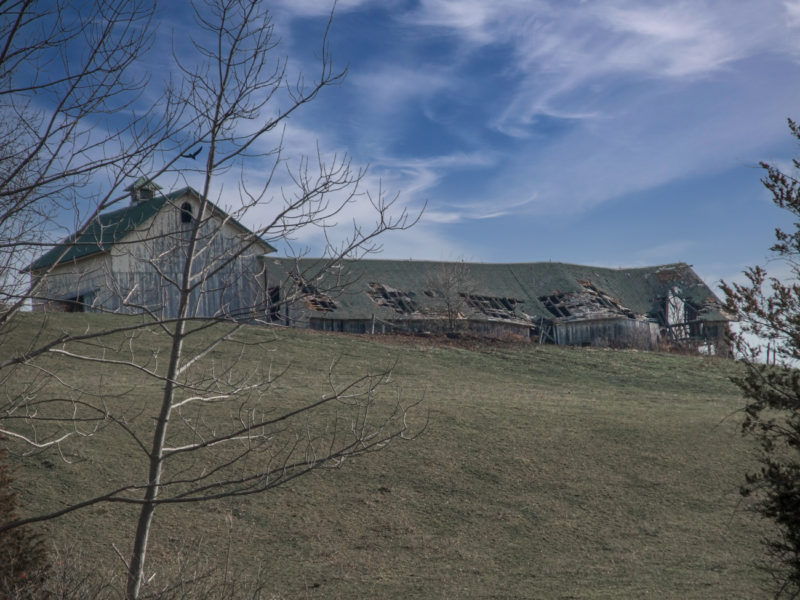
316,8
418,178
652,142
477,211
643,93
792,8
562,48
407,180
475,19
392,85
672,40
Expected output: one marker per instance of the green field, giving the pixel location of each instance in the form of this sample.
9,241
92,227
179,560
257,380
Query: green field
544,472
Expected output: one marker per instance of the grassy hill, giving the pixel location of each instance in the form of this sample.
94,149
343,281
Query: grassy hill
544,472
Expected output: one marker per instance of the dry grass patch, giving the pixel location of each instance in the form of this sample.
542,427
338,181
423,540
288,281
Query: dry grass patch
544,472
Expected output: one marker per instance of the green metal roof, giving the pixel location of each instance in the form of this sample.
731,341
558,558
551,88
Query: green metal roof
109,228
102,233
642,290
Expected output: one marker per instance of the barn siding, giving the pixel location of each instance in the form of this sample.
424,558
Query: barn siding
159,246
494,329
637,333
129,278
89,278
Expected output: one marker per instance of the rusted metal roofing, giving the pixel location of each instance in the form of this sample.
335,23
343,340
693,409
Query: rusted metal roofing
391,289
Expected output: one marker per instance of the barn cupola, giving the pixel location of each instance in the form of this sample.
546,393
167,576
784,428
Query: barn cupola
142,189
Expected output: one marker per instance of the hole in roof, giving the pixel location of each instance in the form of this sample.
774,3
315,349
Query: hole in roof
591,301
398,300
314,298
493,306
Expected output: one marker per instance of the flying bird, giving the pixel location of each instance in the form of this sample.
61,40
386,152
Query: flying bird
193,155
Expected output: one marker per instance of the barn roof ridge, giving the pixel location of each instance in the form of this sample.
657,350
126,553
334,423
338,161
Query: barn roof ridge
665,267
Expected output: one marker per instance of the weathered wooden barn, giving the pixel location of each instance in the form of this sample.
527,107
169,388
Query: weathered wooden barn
545,302
130,260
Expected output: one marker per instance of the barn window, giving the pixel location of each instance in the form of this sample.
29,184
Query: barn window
186,212
274,303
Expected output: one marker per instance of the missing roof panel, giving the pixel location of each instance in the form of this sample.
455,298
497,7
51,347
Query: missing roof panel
590,302
398,300
320,303
315,299
493,306
555,304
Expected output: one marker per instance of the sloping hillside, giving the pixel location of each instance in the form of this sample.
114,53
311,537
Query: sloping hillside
544,472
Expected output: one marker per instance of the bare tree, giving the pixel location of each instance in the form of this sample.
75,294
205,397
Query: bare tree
221,111
65,77
450,284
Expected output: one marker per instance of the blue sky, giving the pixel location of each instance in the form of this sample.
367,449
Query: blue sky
607,132
604,132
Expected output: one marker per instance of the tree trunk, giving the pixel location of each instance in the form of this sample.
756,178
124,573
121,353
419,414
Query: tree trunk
136,567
